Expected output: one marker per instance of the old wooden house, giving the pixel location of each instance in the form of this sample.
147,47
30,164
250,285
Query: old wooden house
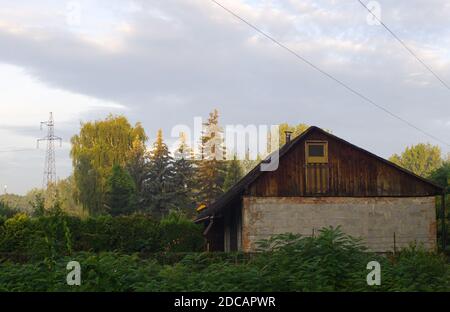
321,181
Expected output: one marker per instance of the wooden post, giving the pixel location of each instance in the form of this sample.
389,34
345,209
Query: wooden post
395,244
443,227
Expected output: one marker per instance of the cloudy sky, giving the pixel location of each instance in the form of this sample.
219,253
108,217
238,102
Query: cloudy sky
165,62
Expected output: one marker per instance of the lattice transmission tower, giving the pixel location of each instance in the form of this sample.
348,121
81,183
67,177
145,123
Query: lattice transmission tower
50,159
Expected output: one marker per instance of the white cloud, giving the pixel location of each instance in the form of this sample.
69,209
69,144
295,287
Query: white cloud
164,62
25,101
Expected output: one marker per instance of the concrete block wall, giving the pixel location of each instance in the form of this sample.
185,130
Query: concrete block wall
374,219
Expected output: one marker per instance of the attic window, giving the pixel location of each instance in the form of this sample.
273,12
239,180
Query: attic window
316,152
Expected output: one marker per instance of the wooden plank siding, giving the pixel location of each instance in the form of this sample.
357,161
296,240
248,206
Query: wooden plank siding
317,179
351,172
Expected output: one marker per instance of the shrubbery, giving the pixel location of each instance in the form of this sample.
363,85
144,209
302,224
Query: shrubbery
330,262
180,234
58,234
6,211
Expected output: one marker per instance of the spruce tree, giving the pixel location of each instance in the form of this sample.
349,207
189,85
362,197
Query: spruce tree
234,173
159,188
138,166
121,192
184,177
248,164
211,168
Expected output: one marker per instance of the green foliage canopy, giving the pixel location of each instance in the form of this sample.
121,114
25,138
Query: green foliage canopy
100,145
422,159
296,131
441,176
120,192
234,173
332,261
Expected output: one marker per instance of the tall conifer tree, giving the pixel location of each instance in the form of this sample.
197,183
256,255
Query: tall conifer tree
234,173
184,172
249,164
159,188
211,169
138,167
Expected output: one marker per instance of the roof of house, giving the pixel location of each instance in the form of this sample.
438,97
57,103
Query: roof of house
239,188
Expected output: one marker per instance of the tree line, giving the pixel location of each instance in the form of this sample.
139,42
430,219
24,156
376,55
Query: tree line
115,173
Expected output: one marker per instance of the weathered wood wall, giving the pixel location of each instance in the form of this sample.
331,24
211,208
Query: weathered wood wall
351,172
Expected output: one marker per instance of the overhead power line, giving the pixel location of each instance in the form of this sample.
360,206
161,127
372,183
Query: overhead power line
405,46
341,83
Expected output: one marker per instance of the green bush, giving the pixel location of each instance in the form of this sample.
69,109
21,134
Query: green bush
180,234
6,211
56,234
332,261
415,269
104,272
16,234
323,263
135,233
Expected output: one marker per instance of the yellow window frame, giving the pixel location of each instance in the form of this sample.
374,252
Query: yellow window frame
316,159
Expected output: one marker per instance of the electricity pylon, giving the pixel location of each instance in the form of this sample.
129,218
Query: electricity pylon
49,178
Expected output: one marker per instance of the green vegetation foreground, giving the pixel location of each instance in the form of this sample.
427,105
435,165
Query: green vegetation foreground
332,261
